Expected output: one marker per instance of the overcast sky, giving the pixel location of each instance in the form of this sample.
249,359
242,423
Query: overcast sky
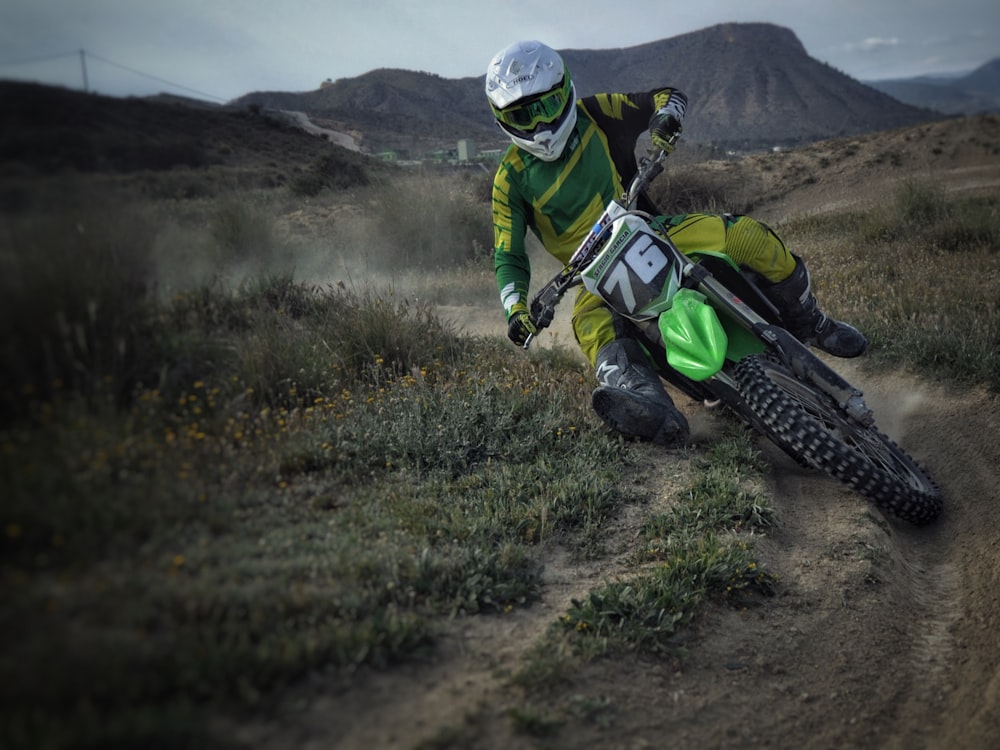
222,49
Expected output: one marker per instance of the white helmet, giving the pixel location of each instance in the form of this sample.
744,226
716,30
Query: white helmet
532,97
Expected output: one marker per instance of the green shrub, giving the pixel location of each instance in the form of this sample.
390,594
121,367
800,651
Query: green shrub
696,188
242,233
77,303
918,277
341,475
430,222
336,169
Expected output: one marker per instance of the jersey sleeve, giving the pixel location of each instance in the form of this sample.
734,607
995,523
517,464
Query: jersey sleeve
624,117
510,256
672,100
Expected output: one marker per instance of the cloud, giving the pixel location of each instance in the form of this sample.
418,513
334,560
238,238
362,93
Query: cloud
230,47
872,44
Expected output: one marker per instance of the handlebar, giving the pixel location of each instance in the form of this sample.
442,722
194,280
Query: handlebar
649,170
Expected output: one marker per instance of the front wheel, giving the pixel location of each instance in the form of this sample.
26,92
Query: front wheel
806,423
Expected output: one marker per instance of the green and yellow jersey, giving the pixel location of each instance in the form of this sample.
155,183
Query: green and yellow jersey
559,201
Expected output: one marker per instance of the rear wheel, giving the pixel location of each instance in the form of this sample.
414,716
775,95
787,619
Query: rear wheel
806,423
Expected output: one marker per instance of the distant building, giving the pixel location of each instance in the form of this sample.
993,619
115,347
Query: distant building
466,150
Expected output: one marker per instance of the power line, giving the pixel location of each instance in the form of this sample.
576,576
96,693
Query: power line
83,54
154,78
32,60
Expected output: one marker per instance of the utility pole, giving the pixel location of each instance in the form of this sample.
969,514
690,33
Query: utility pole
83,68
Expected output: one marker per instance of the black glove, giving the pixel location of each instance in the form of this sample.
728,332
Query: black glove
664,127
519,325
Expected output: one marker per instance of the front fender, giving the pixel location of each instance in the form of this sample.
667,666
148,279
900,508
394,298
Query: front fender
695,339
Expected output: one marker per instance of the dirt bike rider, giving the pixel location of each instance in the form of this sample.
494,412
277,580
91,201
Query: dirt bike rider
568,160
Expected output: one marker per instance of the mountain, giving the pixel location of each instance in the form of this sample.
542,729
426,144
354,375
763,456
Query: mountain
977,92
750,86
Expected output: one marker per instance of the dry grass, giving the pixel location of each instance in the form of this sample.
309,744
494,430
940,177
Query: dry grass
924,287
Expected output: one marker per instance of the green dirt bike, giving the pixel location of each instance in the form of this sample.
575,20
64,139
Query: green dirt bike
713,335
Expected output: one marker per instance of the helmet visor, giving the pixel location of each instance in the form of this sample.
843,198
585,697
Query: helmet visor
541,109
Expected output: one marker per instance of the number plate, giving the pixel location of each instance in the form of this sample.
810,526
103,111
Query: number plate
635,273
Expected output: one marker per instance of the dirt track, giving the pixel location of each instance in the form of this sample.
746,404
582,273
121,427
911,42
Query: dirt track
881,635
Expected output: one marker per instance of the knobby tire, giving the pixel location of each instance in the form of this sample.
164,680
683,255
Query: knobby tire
807,424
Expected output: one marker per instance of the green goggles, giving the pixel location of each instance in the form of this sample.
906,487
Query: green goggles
539,110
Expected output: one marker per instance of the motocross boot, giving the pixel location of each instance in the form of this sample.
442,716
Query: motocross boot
631,398
800,311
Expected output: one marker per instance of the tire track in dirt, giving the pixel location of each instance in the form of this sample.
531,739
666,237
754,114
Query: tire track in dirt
929,641
954,431
881,635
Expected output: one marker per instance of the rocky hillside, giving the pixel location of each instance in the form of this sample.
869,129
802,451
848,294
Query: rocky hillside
751,86
48,132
